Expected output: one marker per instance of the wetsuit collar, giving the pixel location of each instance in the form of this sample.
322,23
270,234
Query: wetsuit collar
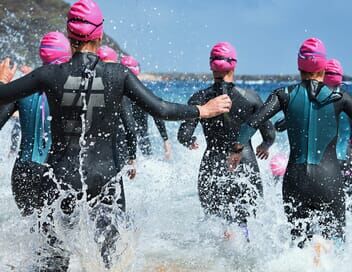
85,57
320,93
223,87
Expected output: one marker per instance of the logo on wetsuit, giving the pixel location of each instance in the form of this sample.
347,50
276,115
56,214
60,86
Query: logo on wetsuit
81,95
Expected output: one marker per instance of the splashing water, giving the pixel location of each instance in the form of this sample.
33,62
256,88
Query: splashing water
169,231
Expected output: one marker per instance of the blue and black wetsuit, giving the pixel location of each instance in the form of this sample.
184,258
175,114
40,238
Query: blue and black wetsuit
34,116
343,145
219,192
141,119
84,97
313,183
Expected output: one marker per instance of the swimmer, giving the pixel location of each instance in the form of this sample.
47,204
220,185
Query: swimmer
231,200
34,117
313,185
88,91
126,139
141,118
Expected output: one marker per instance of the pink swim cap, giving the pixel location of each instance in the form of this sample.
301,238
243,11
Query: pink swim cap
131,64
54,48
333,73
85,21
106,53
278,164
223,57
312,56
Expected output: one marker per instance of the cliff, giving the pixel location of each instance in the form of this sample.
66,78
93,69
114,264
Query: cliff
23,23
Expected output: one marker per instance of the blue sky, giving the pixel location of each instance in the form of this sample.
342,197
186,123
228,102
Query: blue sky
177,35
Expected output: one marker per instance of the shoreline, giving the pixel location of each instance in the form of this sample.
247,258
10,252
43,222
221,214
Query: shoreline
158,77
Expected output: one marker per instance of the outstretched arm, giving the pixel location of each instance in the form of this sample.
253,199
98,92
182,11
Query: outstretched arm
23,86
275,102
187,128
6,111
155,106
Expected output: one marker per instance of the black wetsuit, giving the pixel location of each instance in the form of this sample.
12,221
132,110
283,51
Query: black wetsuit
227,197
90,88
141,118
313,184
127,141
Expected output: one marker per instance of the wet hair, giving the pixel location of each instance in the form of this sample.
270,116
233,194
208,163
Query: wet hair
309,75
76,44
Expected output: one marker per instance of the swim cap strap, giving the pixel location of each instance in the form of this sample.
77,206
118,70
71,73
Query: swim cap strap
84,22
229,60
332,73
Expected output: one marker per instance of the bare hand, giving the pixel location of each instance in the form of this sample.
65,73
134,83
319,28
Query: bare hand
193,146
234,160
215,106
168,150
132,172
262,152
6,72
26,69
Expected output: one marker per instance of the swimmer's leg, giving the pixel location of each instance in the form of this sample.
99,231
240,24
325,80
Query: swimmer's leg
108,213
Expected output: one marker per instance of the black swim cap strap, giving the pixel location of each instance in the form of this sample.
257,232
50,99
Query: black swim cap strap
85,22
229,60
333,74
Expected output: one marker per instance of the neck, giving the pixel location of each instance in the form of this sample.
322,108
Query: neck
320,79
318,76
87,48
228,77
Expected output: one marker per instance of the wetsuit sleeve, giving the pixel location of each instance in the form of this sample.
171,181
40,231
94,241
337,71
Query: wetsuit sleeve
281,125
187,128
267,130
129,125
155,106
277,101
6,111
347,104
160,124
23,86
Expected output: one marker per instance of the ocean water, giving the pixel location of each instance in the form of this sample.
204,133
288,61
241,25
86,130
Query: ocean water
167,230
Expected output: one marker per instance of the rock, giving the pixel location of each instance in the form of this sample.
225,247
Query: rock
23,24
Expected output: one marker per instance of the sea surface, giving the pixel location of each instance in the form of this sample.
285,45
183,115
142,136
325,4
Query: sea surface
167,230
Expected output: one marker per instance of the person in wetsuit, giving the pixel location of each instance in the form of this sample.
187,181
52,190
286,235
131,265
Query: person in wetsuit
333,79
126,142
229,199
313,185
34,117
84,98
141,118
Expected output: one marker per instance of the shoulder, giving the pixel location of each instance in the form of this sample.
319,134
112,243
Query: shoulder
248,93
200,96
287,89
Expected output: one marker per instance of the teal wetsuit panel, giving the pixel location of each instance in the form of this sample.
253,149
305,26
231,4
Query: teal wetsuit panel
35,128
311,125
344,137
